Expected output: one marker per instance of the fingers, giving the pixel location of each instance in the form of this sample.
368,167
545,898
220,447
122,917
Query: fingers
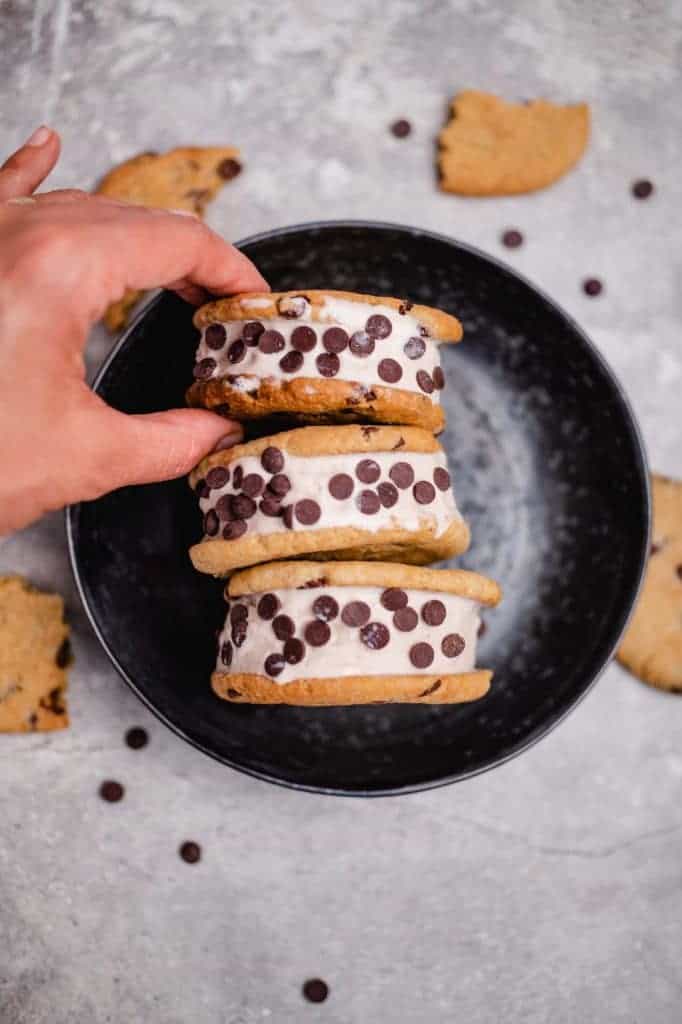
30,165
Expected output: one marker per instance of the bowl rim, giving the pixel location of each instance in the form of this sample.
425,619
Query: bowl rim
619,626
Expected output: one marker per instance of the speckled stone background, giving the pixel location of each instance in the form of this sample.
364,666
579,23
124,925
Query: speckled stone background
550,889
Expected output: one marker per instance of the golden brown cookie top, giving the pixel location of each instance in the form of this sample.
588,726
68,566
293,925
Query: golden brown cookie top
295,575
491,147
271,305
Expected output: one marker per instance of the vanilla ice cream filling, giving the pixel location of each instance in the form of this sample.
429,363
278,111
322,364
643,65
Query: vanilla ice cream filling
335,631
278,492
353,341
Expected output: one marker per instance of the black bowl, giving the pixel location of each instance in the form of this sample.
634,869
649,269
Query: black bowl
549,471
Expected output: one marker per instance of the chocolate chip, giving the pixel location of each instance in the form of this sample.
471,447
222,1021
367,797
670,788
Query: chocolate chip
368,502
424,381
63,657
421,655
288,516
226,653
441,478
482,627
292,306
655,548
271,341
293,651
367,470
361,344
317,633
283,627
405,619
642,189
291,362
341,486
211,523
424,492
236,351
137,738
239,613
394,598
272,460
375,635
268,606
315,990
592,286
678,570
223,507
111,791
252,331
402,475
280,484
274,663
401,128
438,378
327,364
228,169
217,477
405,307
252,484
189,851
307,511
243,507
237,477
325,608
232,693
389,370
215,336
388,494
452,645
319,581
234,529
202,489
512,238
433,613
378,326
303,339
335,339
238,632
204,368
414,348
270,505
355,613
431,689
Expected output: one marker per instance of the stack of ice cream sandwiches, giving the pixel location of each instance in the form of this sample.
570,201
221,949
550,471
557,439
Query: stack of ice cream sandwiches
323,530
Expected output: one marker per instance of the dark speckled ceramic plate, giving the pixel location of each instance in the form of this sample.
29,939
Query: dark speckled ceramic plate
550,473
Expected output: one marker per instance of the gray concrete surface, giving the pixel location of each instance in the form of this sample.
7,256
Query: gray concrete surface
548,890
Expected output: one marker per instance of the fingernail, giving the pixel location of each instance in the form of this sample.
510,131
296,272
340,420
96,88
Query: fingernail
183,213
39,137
229,440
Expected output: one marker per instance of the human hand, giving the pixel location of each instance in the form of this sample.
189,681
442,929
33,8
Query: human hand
64,257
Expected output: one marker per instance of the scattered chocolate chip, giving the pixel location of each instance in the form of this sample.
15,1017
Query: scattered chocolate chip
280,484
368,502
361,344
452,645
414,348
341,486
217,477
424,381
288,516
424,492
512,238
237,477
215,336
394,598
307,511
592,286
63,657
271,341
315,990
325,608
292,306
402,475
268,606
252,331
204,368
355,613
388,494
431,689
642,189
317,633
367,471
327,364
228,169
433,613
272,460
252,485
303,339
270,505
111,791
291,362
234,529
283,627
401,128
438,378
482,627
137,738
421,655
293,651
390,370
190,852
441,478
405,619
226,653
223,507
211,523
405,307
375,635
274,663
238,632
378,326
320,581
236,351
202,489
243,507
335,339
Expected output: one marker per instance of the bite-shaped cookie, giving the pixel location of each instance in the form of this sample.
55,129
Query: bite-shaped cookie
652,645
34,656
494,148
364,492
352,633
322,357
182,179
